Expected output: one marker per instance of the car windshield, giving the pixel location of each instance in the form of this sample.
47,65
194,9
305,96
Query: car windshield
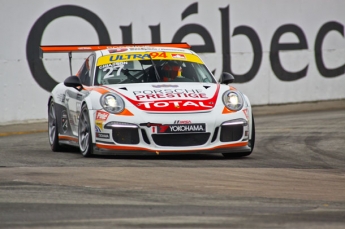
147,67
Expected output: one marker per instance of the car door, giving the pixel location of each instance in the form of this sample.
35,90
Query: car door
75,97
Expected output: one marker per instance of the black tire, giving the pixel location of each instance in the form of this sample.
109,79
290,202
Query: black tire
252,140
251,144
53,129
84,133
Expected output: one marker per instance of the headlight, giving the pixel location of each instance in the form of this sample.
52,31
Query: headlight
233,100
112,103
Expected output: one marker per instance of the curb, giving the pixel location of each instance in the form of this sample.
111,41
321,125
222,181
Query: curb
21,132
24,128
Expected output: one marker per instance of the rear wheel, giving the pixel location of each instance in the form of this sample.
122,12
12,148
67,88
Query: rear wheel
84,133
251,144
53,131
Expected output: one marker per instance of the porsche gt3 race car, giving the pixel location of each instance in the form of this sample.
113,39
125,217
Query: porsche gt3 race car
148,99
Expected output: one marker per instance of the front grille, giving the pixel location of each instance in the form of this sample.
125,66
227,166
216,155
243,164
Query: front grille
146,139
180,140
231,133
124,135
215,134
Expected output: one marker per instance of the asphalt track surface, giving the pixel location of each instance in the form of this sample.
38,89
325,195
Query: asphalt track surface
295,178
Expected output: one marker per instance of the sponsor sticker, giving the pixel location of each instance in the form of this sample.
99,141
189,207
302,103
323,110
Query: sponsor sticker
97,129
101,115
64,121
182,122
181,128
175,104
117,50
165,93
61,97
102,135
99,126
133,56
174,99
164,85
178,56
113,66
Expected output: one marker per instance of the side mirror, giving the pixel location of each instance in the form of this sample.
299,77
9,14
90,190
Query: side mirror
73,81
226,78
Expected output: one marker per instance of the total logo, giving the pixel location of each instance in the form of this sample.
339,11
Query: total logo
101,115
175,105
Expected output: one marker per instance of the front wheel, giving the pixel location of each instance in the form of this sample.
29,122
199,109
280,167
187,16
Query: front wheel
251,144
84,133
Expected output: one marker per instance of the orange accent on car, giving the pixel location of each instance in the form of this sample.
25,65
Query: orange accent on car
69,138
245,111
126,112
240,144
227,111
98,89
117,147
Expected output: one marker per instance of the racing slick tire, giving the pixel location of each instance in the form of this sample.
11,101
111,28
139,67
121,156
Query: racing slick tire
84,132
251,144
53,131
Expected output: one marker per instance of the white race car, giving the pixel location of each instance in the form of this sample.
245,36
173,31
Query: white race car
148,99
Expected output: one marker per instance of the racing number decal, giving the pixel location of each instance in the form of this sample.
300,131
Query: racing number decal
110,70
157,54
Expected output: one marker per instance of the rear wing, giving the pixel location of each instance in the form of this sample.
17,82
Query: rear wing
90,48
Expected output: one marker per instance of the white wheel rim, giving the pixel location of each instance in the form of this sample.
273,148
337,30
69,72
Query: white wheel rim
84,131
51,124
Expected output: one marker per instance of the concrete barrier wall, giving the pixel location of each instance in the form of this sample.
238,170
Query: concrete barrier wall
279,51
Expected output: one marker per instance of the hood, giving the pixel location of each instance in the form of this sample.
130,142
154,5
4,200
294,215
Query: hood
169,97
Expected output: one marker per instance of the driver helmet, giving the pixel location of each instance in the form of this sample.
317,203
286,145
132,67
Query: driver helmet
170,71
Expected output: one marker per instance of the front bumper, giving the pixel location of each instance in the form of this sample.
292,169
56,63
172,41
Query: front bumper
226,135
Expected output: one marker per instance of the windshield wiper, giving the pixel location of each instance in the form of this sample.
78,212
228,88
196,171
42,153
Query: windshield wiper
156,72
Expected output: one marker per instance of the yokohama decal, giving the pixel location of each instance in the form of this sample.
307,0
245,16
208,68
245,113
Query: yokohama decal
182,128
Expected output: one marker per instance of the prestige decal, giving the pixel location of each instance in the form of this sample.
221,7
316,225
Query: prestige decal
43,78
169,93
